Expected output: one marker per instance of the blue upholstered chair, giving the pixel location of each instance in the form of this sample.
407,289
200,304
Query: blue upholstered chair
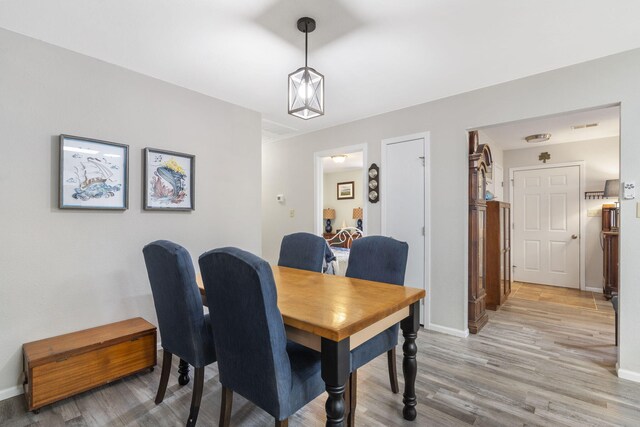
184,328
380,259
254,358
305,251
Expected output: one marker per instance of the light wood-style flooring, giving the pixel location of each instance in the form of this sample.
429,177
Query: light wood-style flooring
539,361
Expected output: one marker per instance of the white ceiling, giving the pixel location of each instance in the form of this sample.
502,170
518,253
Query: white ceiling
376,55
511,136
352,162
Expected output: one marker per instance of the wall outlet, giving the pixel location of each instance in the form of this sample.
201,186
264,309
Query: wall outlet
638,210
594,212
292,213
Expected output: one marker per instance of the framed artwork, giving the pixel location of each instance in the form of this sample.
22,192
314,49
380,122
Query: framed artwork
345,190
94,174
169,180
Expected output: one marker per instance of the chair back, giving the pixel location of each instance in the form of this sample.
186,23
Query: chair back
249,332
378,258
181,319
305,251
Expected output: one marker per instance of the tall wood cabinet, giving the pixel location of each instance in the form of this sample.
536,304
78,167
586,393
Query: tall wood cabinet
498,254
479,161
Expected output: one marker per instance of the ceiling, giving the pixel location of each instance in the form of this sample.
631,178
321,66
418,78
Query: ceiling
376,55
511,136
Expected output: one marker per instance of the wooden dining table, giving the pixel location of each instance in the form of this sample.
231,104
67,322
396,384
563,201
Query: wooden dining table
335,314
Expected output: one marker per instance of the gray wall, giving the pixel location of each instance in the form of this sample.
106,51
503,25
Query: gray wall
288,168
63,270
600,158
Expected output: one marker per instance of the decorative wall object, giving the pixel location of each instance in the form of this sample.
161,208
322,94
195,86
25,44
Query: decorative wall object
345,190
544,157
94,174
169,180
374,183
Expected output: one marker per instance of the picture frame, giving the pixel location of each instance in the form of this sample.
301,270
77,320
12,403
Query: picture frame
93,174
345,190
169,180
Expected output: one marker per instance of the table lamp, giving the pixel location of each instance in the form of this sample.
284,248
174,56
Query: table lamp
357,214
328,214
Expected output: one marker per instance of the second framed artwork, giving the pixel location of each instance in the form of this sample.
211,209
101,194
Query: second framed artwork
169,180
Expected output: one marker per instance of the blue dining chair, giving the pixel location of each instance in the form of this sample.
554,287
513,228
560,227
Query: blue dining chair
254,358
305,251
184,328
380,259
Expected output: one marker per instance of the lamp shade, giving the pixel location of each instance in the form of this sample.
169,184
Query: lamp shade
306,93
357,213
328,213
612,188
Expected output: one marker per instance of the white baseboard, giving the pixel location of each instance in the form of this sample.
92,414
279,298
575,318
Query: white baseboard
10,392
596,289
449,331
625,374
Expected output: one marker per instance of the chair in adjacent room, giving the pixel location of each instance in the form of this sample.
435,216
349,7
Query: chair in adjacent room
380,259
184,328
305,251
254,358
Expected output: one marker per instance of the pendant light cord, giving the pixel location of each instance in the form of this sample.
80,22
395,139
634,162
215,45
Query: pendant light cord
306,40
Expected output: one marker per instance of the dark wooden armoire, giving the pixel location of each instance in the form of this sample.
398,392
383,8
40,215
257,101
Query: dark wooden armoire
479,162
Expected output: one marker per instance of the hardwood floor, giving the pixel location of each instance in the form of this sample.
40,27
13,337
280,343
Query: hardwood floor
535,363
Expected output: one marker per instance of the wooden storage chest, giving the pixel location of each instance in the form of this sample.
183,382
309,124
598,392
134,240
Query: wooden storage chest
59,367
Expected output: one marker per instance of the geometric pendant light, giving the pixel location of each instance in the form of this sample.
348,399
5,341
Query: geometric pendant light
306,85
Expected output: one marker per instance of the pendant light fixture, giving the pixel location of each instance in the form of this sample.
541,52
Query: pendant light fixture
306,85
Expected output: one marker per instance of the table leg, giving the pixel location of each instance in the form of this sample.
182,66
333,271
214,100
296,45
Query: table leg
183,370
336,364
410,327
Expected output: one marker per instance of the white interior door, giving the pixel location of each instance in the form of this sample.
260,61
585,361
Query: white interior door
546,226
403,198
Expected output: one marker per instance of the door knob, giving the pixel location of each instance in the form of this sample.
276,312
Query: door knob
574,236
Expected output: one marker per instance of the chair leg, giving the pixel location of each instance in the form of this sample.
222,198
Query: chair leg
164,376
283,423
225,407
196,396
393,372
347,399
353,398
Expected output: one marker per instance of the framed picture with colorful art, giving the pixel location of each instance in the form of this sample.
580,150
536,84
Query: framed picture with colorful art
169,180
94,174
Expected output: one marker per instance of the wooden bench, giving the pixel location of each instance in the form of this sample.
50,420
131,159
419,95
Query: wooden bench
60,367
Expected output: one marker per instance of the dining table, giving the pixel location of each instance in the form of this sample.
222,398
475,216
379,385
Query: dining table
334,314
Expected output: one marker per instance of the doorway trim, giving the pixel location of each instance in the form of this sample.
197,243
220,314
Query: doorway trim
318,181
426,140
582,217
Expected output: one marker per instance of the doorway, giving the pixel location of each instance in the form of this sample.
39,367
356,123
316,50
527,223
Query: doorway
346,166
404,186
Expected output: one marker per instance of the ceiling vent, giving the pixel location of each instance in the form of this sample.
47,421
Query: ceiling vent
585,126
538,137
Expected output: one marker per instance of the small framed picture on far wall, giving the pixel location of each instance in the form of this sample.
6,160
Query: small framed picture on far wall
345,190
